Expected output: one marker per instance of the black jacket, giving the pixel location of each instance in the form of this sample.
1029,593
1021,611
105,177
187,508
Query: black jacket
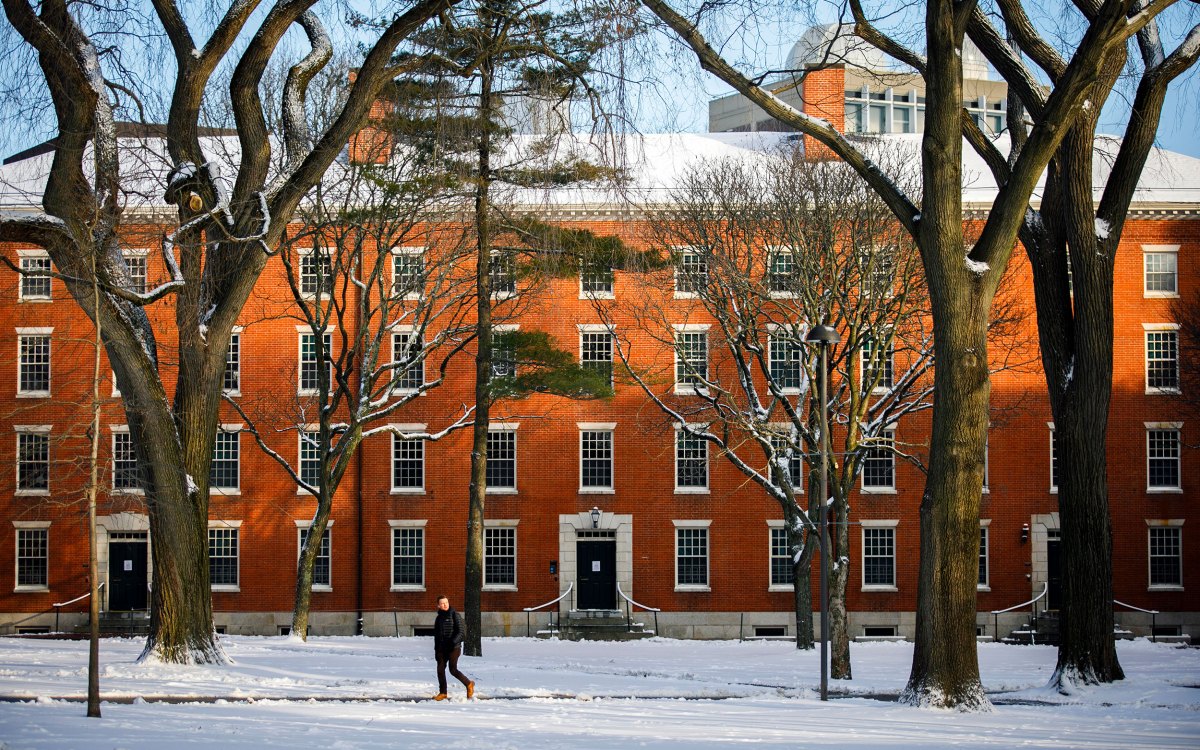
448,630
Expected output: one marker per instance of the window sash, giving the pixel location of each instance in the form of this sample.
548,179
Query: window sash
786,362
231,380
596,278
136,265
33,461
502,274
1166,556
410,365
500,556
879,557
691,274
322,568
783,572
316,273
35,282
223,557
795,462
782,273
309,380
1161,271
34,364
126,473
596,353
983,556
691,461
408,557
596,459
691,557
879,463
33,557
876,361
224,471
408,463
1162,360
1162,458
502,459
310,457
691,358
408,274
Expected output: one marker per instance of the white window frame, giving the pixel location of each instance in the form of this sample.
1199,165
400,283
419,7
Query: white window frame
308,261
142,254
593,329
879,524
684,388
22,334
690,489
504,328
414,251
234,526
309,430
685,252
704,524
122,429
44,430
18,527
888,435
406,428
303,331
508,523
31,255
584,293
236,490
985,556
599,428
510,274
779,441
1053,460
777,251
773,526
303,526
1177,428
1159,250
1173,523
506,427
234,349
779,336
411,525
1149,329
888,366
409,333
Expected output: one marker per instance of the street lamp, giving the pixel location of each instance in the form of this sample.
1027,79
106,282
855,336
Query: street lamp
823,336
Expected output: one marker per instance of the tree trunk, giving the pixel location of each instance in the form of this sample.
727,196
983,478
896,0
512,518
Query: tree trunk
304,571
802,588
839,575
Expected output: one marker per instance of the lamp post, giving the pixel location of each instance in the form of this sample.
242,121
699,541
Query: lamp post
824,335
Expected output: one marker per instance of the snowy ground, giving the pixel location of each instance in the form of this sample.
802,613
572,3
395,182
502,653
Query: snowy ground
334,693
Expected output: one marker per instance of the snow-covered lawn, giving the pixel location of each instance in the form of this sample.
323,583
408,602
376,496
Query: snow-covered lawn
333,693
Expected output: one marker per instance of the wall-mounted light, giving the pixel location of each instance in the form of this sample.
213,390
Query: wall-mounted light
595,517
1024,533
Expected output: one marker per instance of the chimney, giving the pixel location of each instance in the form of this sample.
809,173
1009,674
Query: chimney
824,96
372,144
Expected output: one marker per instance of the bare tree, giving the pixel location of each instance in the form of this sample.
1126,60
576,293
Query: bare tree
226,230
962,282
1072,244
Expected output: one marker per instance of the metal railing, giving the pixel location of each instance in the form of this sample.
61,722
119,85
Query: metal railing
629,615
1034,611
530,610
1153,617
59,605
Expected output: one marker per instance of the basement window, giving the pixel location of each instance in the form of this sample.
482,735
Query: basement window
770,631
879,631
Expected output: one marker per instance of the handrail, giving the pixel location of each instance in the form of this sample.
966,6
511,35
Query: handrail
1153,618
81,596
629,615
1136,609
530,610
1045,590
554,601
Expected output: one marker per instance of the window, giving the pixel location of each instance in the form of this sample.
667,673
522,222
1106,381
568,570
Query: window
309,375
408,463
875,362
691,462
503,274
408,557
1161,268
783,572
35,276
500,556
983,556
126,475
879,557
1053,461
783,275
310,457
316,272
33,364
33,558
691,274
877,268
1162,458
408,272
135,262
502,460
504,352
691,557
322,567
595,459
223,476
691,359
596,280
1162,360
596,352
223,557
232,379
786,360
879,463
1166,556
790,458
407,348
902,119
33,461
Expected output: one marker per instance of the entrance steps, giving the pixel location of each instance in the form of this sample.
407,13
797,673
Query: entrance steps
598,625
1043,631
132,623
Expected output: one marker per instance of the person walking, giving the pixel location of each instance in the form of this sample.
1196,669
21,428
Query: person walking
448,634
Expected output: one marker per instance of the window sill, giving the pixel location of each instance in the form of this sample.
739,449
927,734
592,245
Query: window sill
231,394
36,300
693,589
879,589
231,491
597,295
227,589
692,491
1162,391
500,587
31,589
781,587
686,295
32,493
402,392
322,588
306,392
1164,587
33,394
1053,490
408,490
407,587
1160,295
128,491
783,295
597,491
983,588
878,490
1164,490
500,491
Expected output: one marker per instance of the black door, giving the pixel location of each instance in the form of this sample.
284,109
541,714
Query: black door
1053,574
127,575
597,574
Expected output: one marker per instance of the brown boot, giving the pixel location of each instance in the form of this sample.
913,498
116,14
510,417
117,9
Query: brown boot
470,690
440,697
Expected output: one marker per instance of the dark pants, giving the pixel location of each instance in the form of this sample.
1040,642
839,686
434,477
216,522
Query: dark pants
449,655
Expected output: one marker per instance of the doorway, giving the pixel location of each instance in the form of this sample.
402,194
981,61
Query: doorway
1053,570
128,569
597,572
